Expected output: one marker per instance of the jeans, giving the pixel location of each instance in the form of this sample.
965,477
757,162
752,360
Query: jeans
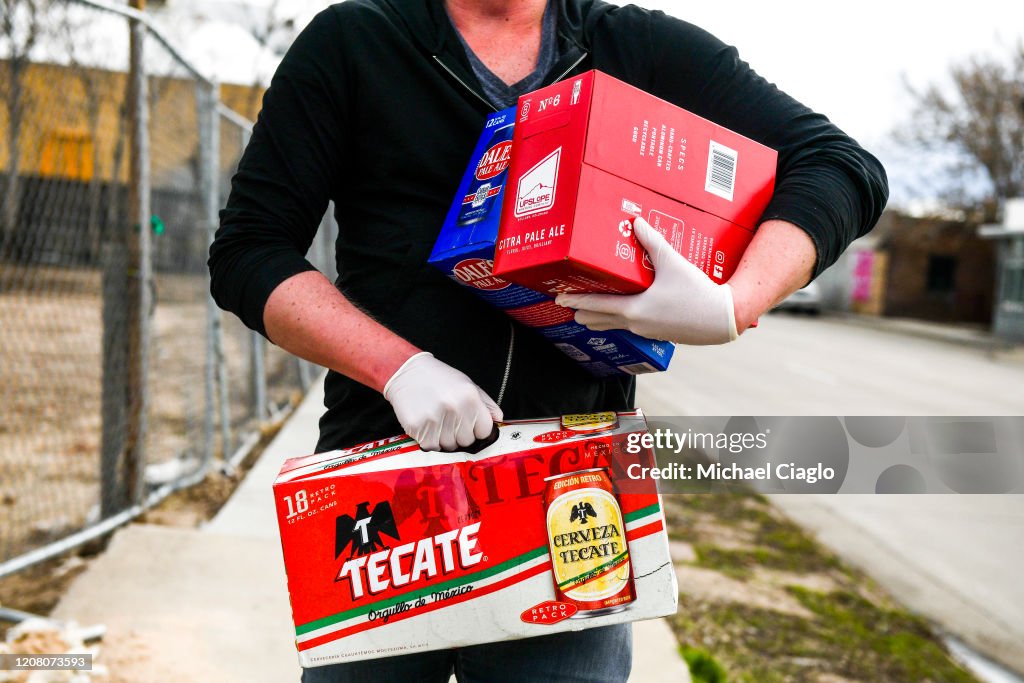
600,655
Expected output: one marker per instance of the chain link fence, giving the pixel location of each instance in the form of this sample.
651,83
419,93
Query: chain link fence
121,381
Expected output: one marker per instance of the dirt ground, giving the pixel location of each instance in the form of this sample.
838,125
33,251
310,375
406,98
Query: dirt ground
51,375
38,589
761,601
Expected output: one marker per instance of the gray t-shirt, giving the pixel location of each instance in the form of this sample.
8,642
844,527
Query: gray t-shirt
502,95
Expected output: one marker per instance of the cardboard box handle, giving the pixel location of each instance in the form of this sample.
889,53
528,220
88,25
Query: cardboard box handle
483,443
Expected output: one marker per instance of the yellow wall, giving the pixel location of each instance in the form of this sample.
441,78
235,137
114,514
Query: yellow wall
70,125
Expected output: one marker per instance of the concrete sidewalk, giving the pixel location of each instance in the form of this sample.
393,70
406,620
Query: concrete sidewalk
211,604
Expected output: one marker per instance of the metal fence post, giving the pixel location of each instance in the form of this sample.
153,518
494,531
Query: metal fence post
258,348
211,359
258,344
114,262
307,374
207,99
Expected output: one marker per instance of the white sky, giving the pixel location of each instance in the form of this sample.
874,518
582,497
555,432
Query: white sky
847,60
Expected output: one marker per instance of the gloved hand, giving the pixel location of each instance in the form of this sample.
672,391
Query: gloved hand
438,406
682,305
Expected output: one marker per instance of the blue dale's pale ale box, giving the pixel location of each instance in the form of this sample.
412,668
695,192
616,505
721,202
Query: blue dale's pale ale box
464,251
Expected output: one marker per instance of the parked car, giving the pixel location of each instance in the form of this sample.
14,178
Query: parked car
806,300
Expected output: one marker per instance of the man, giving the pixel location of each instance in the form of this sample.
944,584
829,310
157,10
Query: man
377,106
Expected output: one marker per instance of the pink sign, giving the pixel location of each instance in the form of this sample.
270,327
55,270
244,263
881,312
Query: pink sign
862,272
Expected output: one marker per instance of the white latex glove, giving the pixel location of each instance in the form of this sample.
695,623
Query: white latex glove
439,406
682,305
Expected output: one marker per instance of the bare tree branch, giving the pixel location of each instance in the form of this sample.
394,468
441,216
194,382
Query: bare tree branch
975,121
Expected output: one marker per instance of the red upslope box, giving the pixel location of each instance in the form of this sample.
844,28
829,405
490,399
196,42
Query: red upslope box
592,153
390,550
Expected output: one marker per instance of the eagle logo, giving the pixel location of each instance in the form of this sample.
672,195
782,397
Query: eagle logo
364,532
582,511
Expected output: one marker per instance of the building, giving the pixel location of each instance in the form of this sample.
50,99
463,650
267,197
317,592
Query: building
1008,316
935,268
71,169
926,267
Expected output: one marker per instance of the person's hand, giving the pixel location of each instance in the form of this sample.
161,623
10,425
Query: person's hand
439,406
682,305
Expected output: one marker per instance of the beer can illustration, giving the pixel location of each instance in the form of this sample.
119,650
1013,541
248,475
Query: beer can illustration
488,180
587,540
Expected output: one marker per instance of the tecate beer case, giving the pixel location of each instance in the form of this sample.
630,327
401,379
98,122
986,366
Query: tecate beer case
464,251
390,550
591,154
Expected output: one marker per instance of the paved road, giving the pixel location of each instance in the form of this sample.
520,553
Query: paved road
955,559
808,366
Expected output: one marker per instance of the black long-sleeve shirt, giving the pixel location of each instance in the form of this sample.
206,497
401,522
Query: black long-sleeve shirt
376,107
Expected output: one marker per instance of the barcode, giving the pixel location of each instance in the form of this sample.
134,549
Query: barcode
638,368
721,178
